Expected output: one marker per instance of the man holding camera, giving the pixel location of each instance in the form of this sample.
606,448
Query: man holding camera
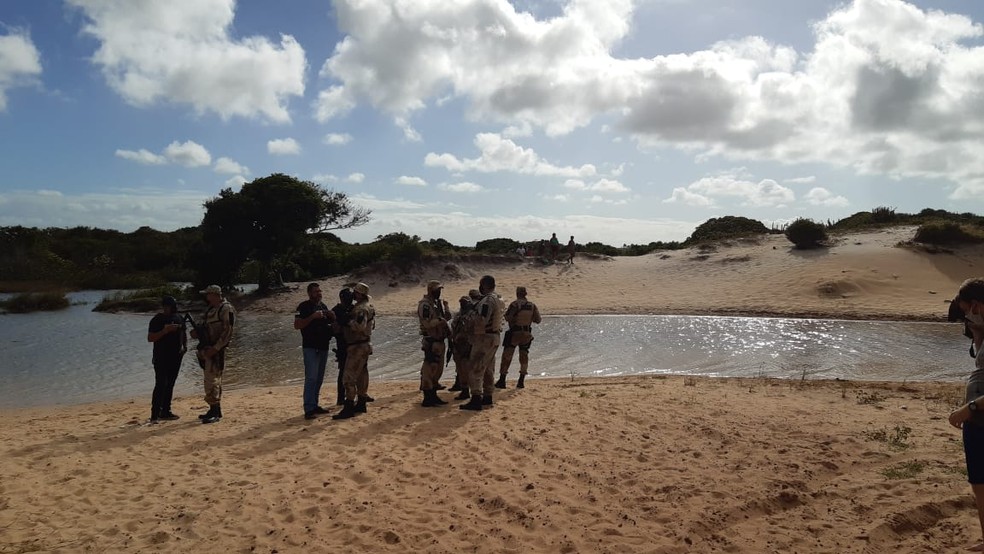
167,332
313,319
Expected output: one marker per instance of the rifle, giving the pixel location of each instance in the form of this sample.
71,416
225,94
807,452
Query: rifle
201,331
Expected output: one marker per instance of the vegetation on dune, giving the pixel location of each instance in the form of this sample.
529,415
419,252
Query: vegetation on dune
144,300
806,233
278,228
35,302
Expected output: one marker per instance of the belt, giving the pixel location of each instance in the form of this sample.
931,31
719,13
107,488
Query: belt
521,328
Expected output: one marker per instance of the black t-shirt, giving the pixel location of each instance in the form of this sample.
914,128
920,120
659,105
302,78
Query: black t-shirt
317,334
168,347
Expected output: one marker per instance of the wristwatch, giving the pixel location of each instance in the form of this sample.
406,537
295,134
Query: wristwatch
972,405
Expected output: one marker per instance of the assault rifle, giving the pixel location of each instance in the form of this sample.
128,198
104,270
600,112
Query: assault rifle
201,331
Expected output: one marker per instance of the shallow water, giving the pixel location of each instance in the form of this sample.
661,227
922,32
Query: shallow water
76,355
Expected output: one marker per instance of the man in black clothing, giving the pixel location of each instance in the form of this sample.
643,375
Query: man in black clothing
314,319
167,332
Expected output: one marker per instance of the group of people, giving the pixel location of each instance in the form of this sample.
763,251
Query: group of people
470,337
168,333
554,249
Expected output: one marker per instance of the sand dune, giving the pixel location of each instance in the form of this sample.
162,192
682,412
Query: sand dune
863,276
613,465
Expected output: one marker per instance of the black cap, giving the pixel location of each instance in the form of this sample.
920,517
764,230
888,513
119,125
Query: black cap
169,300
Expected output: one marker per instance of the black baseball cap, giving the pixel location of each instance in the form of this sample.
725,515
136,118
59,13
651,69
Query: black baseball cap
169,300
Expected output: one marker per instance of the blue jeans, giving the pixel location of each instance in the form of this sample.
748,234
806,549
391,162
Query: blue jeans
314,374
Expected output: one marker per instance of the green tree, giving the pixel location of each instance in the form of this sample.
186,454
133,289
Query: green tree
267,221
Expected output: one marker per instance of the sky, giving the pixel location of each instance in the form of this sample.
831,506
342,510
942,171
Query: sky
615,121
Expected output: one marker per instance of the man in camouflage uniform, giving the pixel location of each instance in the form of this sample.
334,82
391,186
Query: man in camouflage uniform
433,315
358,334
485,342
521,315
218,323
461,334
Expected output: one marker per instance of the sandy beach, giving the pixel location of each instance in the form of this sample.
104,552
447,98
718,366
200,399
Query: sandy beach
620,465
612,465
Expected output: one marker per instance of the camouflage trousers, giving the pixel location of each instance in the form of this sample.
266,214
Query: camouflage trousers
482,364
461,364
433,366
507,356
355,378
212,368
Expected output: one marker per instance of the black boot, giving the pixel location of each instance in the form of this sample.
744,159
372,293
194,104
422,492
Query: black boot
437,399
439,387
474,404
208,414
463,395
347,411
429,398
519,384
216,415
360,404
487,400
501,383
456,386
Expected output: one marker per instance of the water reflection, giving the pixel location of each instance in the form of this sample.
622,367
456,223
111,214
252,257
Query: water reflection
79,356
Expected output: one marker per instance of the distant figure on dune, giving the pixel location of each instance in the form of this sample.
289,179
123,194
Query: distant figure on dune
554,247
520,315
970,417
571,249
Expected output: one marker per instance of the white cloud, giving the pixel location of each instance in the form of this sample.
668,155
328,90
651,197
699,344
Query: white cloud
181,51
683,196
20,63
356,178
411,181
886,89
229,167
283,147
188,154
409,133
601,185
165,210
462,187
235,181
703,192
801,180
337,139
325,178
142,156
820,196
501,154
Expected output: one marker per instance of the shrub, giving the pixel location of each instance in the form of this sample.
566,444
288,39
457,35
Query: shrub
726,227
497,246
806,233
35,302
143,300
939,232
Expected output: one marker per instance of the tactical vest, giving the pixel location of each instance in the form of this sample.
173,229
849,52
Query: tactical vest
213,321
361,324
524,315
429,310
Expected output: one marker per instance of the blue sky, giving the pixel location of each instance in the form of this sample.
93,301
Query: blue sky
611,120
